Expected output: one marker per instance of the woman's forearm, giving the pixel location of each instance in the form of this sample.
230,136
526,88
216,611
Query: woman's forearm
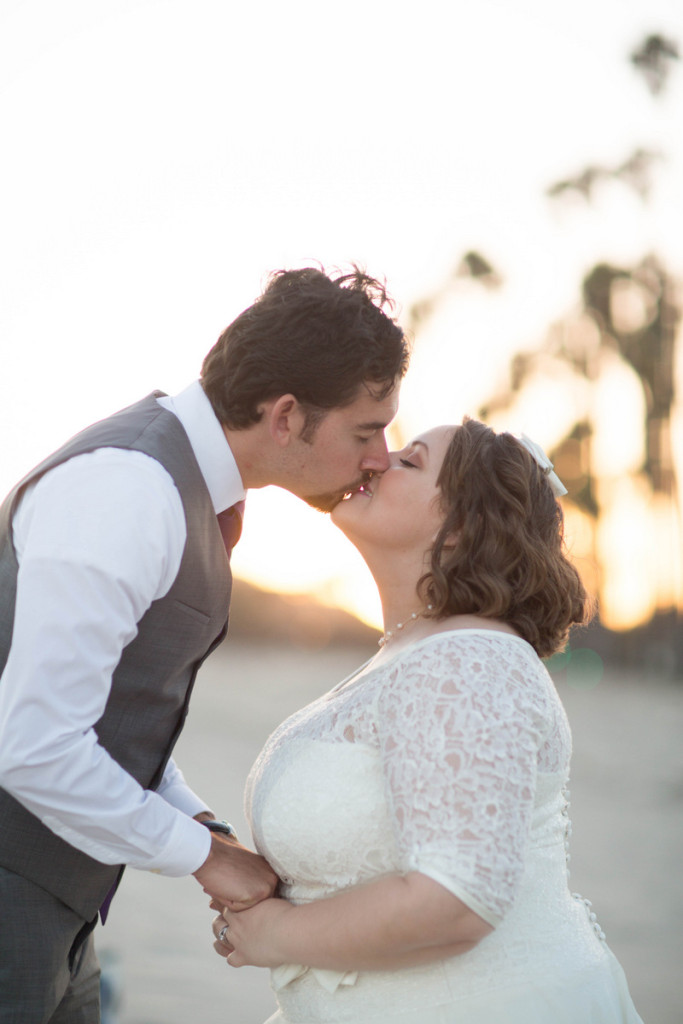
393,922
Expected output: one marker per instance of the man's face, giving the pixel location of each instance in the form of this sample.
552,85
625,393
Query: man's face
348,445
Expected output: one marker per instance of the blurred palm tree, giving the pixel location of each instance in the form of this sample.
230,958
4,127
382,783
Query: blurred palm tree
628,316
653,58
472,265
626,323
635,171
634,312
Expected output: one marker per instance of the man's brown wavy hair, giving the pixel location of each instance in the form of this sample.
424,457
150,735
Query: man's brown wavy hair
321,337
500,552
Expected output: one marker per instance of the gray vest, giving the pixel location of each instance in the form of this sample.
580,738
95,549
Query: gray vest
153,681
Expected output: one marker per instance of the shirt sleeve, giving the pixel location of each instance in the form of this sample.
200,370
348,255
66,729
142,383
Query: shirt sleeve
176,792
98,539
459,741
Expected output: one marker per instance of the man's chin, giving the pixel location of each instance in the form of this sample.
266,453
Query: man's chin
325,502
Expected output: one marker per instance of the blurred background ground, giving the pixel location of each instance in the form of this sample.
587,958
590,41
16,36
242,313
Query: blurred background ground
627,793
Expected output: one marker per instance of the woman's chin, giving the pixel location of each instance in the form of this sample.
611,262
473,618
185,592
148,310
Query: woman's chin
338,513
344,511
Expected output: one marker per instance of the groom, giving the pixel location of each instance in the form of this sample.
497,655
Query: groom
115,586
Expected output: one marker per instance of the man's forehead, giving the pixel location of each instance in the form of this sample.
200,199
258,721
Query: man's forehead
373,408
377,403
379,391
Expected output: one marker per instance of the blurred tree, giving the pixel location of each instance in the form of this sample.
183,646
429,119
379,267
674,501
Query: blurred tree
629,317
639,310
653,58
616,355
636,311
635,171
471,265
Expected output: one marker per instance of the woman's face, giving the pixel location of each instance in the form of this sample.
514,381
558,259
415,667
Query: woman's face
400,508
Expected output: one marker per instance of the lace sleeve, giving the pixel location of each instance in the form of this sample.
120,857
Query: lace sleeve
460,725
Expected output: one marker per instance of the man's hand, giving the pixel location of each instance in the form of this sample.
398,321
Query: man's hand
235,876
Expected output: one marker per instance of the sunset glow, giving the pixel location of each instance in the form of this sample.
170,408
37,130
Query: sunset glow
164,157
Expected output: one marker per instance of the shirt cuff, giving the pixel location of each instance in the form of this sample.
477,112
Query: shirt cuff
187,848
176,792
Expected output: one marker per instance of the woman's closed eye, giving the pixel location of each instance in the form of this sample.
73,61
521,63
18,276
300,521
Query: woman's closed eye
408,463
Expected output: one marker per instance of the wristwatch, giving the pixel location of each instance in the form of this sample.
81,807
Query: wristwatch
224,827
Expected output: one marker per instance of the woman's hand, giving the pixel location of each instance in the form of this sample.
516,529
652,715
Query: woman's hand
220,931
394,921
249,937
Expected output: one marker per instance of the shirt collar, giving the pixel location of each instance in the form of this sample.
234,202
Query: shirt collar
209,444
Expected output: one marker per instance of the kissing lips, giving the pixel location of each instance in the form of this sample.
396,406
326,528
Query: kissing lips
363,489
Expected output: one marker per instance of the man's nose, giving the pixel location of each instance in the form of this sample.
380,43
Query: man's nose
378,460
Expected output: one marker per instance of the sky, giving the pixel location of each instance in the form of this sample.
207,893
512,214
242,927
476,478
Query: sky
161,157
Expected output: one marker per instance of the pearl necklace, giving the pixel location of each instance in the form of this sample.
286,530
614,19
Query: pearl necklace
389,635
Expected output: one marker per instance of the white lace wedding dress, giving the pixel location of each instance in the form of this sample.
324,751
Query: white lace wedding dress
450,759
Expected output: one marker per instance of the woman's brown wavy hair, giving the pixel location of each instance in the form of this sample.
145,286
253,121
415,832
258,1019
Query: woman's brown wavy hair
508,561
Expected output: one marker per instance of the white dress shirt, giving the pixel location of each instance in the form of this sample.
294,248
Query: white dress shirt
98,539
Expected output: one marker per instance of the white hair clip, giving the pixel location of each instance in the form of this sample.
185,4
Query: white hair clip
535,450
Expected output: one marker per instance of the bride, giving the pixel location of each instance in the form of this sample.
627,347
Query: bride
417,814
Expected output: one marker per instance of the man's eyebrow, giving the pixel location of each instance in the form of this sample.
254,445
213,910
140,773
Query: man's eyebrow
372,426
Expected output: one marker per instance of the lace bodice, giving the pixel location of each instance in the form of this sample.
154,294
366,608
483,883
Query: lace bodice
459,726
450,758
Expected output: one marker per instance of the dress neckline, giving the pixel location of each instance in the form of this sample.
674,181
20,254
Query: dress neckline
354,676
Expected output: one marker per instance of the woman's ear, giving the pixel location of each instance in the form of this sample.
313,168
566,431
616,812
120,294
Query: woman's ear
451,539
450,544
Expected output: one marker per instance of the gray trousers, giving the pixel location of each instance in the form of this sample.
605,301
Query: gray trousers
49,972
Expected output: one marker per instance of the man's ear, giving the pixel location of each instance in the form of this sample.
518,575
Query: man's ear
283,417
